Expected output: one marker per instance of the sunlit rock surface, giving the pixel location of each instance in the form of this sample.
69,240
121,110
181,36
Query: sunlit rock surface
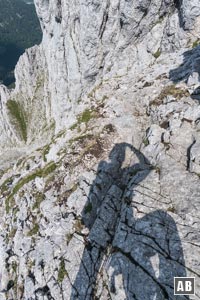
99,154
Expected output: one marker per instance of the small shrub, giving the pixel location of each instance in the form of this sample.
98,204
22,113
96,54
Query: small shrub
171,209
78,226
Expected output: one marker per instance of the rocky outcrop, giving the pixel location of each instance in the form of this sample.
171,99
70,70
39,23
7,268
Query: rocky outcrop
84,44
103,202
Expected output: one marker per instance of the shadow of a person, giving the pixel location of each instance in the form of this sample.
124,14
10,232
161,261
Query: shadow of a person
102,214
189,71
148,257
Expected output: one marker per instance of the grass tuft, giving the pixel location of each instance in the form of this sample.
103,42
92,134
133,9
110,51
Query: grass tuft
196,43
157,53
39,197
85,117
45,152
62,271
34,230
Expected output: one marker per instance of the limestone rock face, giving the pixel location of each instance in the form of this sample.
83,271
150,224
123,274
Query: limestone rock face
99,175
83,43
190,13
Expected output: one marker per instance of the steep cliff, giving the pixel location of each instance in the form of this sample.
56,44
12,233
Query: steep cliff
99,151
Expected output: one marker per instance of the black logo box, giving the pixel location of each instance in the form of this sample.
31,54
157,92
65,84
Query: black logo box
184,285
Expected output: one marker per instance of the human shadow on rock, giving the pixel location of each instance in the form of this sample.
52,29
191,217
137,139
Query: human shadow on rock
148,253
103,214
189,71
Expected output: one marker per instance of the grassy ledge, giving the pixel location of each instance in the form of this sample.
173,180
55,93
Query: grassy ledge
170,90
49,168
16,111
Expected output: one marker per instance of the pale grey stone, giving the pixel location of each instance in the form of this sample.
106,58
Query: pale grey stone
110,221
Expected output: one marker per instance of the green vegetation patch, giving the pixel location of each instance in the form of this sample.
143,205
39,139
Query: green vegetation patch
14,266
16,111
12,233
81,138
59,134
9,202
173,91
45,152
196,43
146,141
85,117
49,168
62,271
157,53
171,209
34,230
5,186
170,90
88,208
39,197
